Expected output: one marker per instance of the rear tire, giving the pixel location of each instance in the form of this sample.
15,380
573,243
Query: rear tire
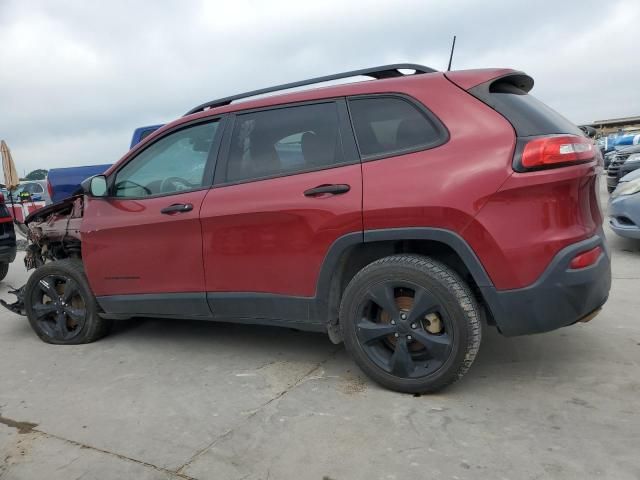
410,323
4,269
60,306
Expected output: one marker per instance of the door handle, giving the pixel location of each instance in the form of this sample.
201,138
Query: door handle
177,208
335,189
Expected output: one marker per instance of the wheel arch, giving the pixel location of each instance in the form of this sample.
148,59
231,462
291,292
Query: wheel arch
352,252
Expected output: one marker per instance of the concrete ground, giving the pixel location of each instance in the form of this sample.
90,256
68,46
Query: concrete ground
183,399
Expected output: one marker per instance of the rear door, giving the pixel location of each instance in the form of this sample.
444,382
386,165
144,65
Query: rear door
142,246
289,186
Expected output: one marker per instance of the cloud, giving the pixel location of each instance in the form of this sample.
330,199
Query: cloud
76,77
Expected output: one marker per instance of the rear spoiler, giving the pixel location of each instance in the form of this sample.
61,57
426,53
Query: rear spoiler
468,79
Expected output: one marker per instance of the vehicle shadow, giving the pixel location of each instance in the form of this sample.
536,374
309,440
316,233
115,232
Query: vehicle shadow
555,357
213,336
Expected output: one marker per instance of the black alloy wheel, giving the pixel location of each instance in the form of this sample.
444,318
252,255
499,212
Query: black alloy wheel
403,329
58,307
410,323
61,307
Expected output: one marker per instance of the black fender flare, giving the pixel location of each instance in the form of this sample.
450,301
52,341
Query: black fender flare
341,245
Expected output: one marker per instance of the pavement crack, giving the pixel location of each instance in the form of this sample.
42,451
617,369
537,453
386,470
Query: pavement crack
246,419
22,427
107,452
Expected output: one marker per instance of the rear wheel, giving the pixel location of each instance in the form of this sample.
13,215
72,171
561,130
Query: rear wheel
60,306
410,323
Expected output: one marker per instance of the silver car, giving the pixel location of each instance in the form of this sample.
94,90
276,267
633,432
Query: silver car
36,188
624,206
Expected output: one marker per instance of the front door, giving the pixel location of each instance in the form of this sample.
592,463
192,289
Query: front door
142,245
289,186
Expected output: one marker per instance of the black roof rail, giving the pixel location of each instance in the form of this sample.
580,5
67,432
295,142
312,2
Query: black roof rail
384,71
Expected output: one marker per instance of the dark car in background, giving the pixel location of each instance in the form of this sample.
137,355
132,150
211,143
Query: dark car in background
624,161
7,239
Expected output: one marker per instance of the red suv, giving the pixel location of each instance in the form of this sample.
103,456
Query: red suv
399,215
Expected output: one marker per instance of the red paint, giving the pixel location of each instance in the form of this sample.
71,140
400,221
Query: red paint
444,187
128,246
266,236
531,218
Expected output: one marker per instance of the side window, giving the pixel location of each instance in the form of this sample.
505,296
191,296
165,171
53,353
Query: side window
387,125
33,188
283,141
175,163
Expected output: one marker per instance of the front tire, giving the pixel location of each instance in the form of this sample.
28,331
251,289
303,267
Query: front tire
410,323
60,305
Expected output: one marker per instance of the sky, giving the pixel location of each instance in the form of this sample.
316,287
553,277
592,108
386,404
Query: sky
77,77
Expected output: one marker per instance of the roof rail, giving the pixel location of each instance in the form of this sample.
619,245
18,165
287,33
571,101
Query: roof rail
384,71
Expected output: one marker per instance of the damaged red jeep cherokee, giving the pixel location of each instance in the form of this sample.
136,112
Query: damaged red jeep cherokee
399,215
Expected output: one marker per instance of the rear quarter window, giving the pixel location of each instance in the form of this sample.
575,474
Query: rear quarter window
389,125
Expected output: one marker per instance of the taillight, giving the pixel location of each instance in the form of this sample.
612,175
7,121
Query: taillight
585,259
557,151
50,189
1,197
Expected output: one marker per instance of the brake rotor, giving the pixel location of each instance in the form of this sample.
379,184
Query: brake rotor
404,303
431,322
76,302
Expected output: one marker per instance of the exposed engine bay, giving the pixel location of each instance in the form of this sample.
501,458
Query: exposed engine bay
53,233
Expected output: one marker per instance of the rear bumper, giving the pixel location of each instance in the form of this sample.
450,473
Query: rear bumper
560,297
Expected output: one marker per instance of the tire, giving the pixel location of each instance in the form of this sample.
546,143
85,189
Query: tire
430,338
4,269
610,189
60,306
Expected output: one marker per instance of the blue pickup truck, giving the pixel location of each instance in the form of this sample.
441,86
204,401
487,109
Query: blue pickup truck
64,182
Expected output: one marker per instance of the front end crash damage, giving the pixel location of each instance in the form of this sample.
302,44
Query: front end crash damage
53,233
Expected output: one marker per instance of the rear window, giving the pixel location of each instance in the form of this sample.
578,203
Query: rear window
528,115
392,125
284,141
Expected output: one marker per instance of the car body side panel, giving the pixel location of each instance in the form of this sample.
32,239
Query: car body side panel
532,217
444,187
129,247
267,237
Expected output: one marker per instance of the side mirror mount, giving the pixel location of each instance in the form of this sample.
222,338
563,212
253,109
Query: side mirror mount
95,186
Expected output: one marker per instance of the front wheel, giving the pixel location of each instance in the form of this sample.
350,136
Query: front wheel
410,323
60,305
